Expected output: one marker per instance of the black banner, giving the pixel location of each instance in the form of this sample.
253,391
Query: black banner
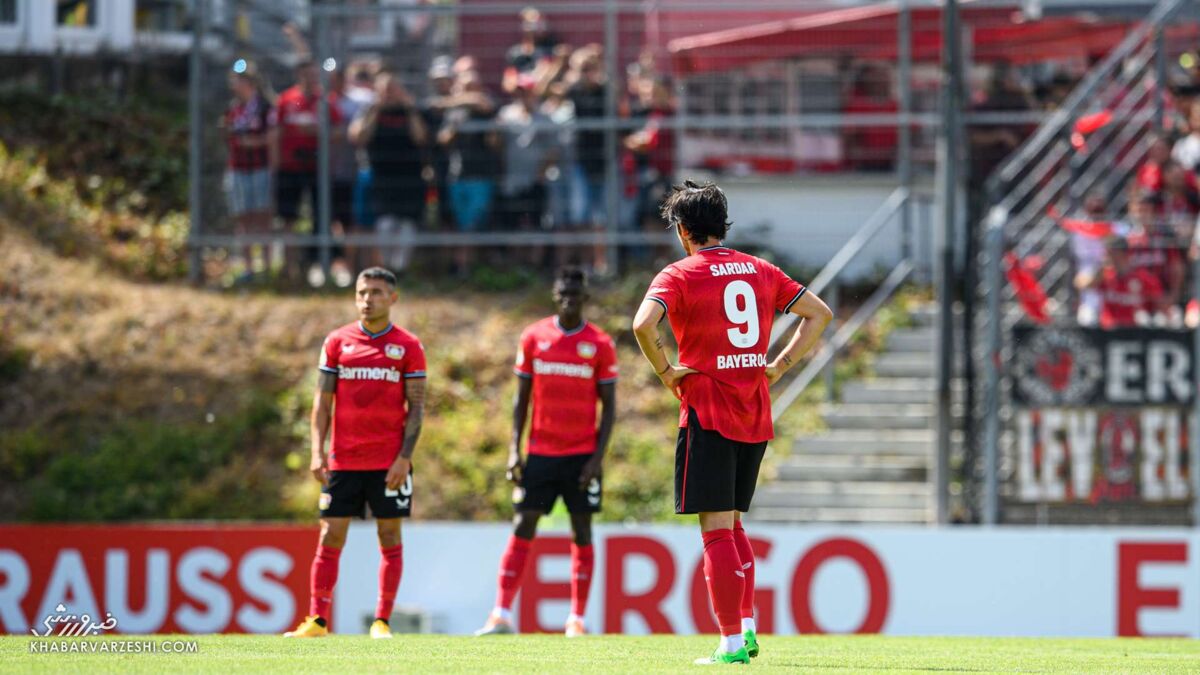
1081,367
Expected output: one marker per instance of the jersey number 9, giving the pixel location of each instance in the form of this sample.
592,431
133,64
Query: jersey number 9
745,318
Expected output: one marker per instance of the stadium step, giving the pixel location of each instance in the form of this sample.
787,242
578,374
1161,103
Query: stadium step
921,340
834,514
853,468
890,390
810,494
878,416
906,364
913,443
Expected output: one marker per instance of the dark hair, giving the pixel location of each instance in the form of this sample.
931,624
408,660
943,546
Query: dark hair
379,273
571,275
701,208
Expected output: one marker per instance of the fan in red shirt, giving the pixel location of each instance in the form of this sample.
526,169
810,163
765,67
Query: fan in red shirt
1129,295
565,366
372,393
721,304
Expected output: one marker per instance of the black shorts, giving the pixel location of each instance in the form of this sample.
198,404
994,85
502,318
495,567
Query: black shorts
547,478
349,492
713,473
290,188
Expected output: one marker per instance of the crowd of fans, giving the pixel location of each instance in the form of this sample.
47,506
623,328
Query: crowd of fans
532,157
1136,270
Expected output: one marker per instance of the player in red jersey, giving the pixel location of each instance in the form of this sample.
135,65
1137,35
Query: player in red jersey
564,366
372,389
721,304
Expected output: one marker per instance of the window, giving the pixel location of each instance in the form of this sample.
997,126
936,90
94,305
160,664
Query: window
8,11
167,16
77,13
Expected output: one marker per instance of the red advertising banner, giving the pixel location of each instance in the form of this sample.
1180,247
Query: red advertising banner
155,579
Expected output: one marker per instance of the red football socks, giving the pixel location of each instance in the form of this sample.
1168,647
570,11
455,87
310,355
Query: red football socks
583,559
512,567
746,555
322,580
391,566
726,581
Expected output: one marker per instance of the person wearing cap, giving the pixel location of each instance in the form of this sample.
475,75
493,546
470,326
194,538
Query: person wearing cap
535,46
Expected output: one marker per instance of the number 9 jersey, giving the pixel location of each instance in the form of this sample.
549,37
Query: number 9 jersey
721,304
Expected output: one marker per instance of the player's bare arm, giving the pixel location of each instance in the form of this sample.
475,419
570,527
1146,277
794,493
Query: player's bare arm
322,413
608,415
414,394
645,328
814,315
516,465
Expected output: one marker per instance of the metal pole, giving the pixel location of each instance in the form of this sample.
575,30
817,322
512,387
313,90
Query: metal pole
832,298
904,149
991,449
1194,431
1160,79
196,140
324,168
612,175
948,168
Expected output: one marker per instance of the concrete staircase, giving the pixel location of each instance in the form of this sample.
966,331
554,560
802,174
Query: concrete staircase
874,462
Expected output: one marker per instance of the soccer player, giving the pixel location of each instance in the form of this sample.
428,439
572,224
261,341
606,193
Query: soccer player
564,366
372,389
721,304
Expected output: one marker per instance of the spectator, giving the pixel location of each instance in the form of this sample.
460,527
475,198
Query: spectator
1178,202
441,84
393,132
871,149
529,149
536,45
1090,254
1187,149
248,170
361,89
343,169
1129,294
587,88
1153,247
471,157
563,198
1150,173
653,147
294,142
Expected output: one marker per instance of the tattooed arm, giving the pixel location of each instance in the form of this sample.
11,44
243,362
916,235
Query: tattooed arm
814,317
414,393
645,328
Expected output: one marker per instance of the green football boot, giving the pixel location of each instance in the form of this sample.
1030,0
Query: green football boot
751,643
719,658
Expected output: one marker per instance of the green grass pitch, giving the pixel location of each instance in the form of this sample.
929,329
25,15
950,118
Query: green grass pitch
617,654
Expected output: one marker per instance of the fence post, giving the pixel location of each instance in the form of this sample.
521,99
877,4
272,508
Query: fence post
1160,79
196,140
991,448
321,219
832,297
612,174
1194,430
904,148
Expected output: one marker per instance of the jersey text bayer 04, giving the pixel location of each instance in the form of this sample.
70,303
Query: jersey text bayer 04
369,405
721,304
567,367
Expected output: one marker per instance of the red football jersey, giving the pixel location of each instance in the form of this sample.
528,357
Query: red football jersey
567,368
1123,297
369,410
294,114
721,304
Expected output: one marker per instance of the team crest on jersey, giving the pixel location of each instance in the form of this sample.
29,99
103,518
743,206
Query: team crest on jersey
586,350
394,352
543,345
348,347
325,500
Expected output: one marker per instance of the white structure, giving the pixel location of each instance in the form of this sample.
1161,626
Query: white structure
85,27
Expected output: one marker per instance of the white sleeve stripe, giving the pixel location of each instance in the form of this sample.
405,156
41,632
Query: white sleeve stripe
607,380
415,373
327,369
661,302
799,295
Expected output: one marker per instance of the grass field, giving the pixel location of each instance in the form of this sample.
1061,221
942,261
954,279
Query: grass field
547,653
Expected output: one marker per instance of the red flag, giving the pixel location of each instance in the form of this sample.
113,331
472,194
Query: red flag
1087,228
1090,124
1029,292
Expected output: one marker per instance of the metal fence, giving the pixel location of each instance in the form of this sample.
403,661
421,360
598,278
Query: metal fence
490,132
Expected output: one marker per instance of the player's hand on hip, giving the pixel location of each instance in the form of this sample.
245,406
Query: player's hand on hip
773,373
673,376
397,473
516,467
320,469
591,470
